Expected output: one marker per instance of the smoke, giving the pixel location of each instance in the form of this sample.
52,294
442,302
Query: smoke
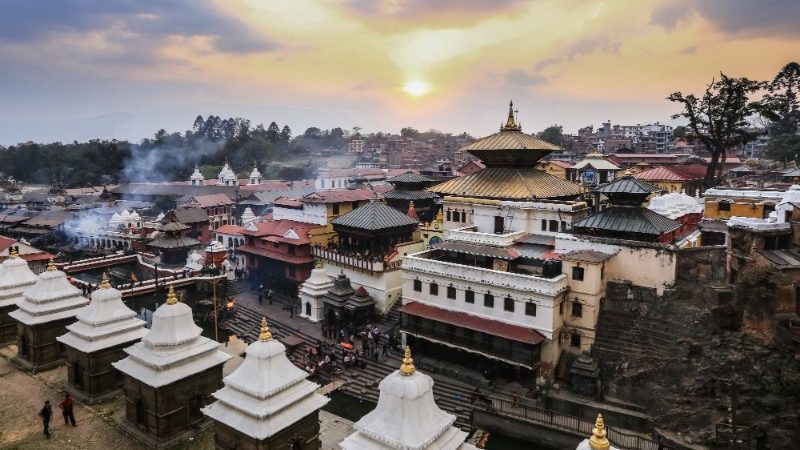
167,162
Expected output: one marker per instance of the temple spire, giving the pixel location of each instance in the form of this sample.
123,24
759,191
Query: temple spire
171,298
12,253
408,363
104,283
598,440
511,122
265,335
51,266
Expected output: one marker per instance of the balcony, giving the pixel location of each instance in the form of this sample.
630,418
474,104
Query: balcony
471,235
547,287
376,264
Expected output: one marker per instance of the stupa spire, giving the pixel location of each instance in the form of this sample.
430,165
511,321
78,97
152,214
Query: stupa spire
104,283
598,440
265,335
171,298
12,253
51,266
511,122
408,363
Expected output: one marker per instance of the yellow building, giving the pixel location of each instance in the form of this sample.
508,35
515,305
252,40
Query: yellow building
722,204
675,178
555,168
433,231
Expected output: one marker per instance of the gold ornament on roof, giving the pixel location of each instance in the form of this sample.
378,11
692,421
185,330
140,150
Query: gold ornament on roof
265,335
104,283
51,266
171,298
408,363
511,122
598,440
12,254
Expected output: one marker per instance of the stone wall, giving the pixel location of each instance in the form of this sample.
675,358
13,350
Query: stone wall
301,435
703,264
95,376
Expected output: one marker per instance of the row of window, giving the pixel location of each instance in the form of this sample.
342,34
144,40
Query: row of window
553,225
456,216
509,304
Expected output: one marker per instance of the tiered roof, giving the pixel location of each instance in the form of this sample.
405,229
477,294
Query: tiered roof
267,393
406,417
51,298
15,278
106,322
173,349
374,216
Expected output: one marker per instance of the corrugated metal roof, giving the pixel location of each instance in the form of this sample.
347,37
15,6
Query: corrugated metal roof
169,242
467,248
374,215
211,200
628,219
688,172
508,184
410,177
598,162
510,140
627,185
410,195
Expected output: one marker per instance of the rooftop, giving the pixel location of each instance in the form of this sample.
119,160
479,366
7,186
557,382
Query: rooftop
374,216
522,183
627,219
679,172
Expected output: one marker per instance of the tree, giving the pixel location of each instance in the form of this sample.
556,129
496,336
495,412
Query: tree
409,133
679,132
286,135
313,133
783,100
719,119
553,134
198,123
273,133
784,148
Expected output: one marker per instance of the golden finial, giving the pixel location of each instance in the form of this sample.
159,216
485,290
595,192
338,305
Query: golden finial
511,123
408,363
51,266
171,298
12,254
318,264
265,335
440,216
598,440
104,284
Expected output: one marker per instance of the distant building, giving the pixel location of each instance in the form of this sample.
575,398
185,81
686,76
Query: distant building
676,178
227,177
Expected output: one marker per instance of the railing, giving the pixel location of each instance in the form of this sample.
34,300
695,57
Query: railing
572,424
470,234
352,261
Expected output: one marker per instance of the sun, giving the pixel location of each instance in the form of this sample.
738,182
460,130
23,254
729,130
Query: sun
416,88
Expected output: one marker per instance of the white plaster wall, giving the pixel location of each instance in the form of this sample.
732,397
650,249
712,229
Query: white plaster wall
315,213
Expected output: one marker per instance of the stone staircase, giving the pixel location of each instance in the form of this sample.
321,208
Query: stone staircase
235,287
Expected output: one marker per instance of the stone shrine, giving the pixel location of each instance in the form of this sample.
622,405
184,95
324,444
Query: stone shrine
104,328
266,403
42,315
15,278
406,417
169,377
311,293
584,375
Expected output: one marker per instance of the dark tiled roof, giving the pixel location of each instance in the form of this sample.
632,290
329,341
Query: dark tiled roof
410,177
174,242
628,219
627,185
374,215
507,253
507,183
211,200
190,215
400,194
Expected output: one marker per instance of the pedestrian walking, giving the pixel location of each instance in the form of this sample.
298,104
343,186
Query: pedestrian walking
46,413
291,311
269,296
260,298
66,410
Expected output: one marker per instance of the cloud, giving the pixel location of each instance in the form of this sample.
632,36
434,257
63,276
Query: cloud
522,78
747,17
583,46
425,10
33,21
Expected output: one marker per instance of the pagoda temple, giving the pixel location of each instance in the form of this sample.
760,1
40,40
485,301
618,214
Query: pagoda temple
15,278
311,293
42,315
96,340
169,376
345,305
406,417
626,218
266,403
173,241
409,188
373,230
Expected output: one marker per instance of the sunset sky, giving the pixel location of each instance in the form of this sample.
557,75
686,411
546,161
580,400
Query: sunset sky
75,70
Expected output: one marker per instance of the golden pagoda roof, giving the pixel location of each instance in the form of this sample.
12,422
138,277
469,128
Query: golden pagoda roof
510,140
508,184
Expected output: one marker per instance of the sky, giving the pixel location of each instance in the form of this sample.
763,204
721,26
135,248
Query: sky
82,69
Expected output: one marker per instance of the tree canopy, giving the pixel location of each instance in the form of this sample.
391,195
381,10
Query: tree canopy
553,134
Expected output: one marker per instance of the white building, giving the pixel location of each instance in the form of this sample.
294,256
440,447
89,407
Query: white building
406,417
197,179
15,278
227,177
311,293
255,176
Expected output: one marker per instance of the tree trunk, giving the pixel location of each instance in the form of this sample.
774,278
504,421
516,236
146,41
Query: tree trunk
710,181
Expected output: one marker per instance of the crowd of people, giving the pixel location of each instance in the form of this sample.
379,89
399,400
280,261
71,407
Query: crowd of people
349,347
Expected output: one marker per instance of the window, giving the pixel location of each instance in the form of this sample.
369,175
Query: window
553,225
577,309
434,289
451,292
563,226
499,224
456,216
575,340
449,215
488,300
508,304
577,273
561,309
530,309
335,208
418,285
724,206
544,225
290,248
602,272
469,296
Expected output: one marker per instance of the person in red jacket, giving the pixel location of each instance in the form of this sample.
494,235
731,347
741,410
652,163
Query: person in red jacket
66,410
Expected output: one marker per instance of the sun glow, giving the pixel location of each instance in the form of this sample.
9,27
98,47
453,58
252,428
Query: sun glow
416,88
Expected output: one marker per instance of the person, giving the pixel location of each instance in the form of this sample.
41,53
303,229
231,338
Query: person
515,399
260,298
46,413
269,296
66,410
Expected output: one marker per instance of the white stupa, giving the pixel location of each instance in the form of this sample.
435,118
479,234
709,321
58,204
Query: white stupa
598,439
173,349
267,393
15,278
255,176
106,322
51,298
197,179
227,177
248,216
115,220
785,207
311,293
406,417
